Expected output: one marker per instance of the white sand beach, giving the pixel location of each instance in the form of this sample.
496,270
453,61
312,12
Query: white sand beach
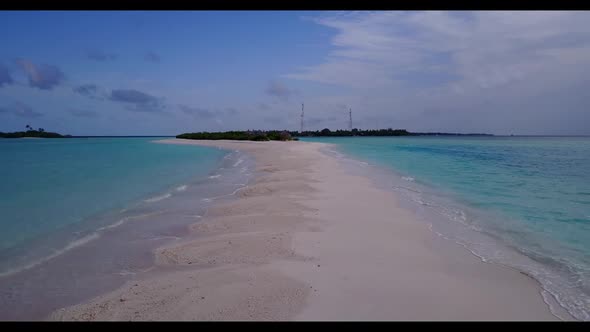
309,241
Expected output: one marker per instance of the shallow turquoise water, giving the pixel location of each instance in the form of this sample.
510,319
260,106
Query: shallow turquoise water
80,217
530,193
48,184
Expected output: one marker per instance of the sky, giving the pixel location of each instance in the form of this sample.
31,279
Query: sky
170,72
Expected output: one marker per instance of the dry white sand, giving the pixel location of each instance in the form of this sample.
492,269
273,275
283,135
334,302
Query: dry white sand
308,241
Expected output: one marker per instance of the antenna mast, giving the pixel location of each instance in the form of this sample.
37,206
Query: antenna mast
301,118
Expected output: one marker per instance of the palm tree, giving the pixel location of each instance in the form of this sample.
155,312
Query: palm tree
28,127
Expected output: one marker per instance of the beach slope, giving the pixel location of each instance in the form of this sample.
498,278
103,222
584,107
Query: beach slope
309,241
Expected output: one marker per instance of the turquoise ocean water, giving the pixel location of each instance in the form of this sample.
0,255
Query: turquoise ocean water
520,201
81,216
47,184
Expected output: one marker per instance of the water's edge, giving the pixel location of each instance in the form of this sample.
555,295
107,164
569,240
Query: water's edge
242,164
121,249
377,174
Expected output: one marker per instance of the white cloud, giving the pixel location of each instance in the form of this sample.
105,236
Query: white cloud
453,59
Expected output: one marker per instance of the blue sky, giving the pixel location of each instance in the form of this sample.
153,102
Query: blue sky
168,72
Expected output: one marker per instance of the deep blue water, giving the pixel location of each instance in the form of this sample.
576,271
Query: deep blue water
531,194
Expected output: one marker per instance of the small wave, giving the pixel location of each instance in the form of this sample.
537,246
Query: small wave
421,202
155,238
158,198
408,178
117,224
124,220
334,152
182,188
554,308
235,191
70,246
406,188
216,197
238,162
214,176
551,296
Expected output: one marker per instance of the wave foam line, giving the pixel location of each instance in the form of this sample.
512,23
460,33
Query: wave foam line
216,197
124,220
70,246
157,198
74,244
548,296
238,162
117,224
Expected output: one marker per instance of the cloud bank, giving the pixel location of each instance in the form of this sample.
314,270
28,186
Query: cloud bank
44,77
137,100
464,71
278,90
21,110
5,78
89,90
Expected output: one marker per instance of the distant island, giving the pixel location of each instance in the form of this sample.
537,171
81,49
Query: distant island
276,135
250,135
374,132
30,132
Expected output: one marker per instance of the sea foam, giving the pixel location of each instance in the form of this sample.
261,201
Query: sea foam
158,198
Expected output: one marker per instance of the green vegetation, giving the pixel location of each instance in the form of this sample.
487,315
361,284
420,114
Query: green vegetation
40,133
375,132
275,135
355,132
255,135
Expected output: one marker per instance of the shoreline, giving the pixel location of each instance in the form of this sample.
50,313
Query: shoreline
432,206
299,244
109,247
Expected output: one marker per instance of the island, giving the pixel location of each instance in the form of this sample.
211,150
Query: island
277,135
375,132
32,133
249,135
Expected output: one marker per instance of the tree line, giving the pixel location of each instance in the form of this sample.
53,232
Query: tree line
30,132
372,132
249,135
277,135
